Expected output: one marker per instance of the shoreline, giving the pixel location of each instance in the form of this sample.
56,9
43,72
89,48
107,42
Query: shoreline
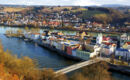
42,27
112,67
121,69
60,53
117,68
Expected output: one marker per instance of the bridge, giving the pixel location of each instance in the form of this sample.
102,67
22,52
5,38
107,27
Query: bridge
80,65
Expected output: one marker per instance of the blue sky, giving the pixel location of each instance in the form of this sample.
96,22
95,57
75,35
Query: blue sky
65,2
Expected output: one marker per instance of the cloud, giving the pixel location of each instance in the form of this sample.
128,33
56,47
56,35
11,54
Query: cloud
18,2
120,0
86,2
65,2
27,2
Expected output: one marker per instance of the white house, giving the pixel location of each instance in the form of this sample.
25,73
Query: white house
35,36
42,36
27,35
99,38
122,52
96,51
124,36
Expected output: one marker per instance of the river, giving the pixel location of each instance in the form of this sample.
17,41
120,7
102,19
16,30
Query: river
45,58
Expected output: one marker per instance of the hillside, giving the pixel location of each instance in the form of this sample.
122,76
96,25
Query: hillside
12,9
105,15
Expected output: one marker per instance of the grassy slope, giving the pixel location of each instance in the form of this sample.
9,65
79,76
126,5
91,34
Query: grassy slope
12,9
62,8
88,13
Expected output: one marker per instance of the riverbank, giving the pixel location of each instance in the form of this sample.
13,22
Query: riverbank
117,74
48,47
63,29
121,69
61,53
112,67
44,57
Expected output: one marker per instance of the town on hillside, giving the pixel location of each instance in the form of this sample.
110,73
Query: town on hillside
96,19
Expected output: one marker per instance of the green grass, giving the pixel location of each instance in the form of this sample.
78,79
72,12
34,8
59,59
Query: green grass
88,13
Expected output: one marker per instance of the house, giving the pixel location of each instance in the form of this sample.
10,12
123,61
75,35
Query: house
60,33
27,35
54,23
106,39
96,52
123,53
124,36
126,45
128,37
128,27
35,36
99,39
83,34
97,25
43,36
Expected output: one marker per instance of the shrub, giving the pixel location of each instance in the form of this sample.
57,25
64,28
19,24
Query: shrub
13,68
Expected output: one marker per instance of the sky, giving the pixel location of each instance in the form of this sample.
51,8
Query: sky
65,2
